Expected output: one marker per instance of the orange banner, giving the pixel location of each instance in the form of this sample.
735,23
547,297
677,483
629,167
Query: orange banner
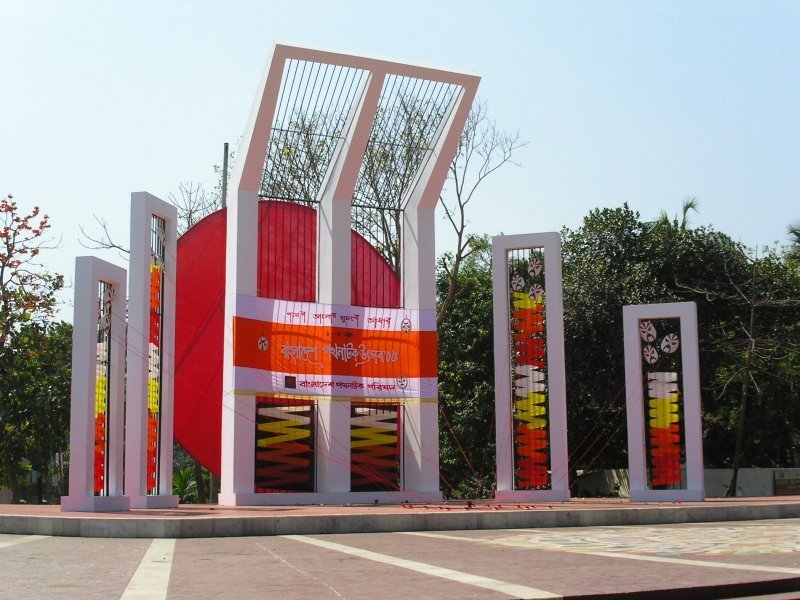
329,350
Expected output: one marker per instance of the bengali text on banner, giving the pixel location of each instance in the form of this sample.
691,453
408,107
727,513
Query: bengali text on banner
305,348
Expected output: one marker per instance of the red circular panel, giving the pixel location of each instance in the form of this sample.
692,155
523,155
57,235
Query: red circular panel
287,267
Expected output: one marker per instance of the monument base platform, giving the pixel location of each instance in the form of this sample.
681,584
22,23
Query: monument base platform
94,503
154,501
217,521
341,498
532,495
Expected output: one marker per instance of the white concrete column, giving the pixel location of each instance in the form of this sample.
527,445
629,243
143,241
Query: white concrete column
144,207
238,411
550,244
89,272
334,275
421,429
689,389
241,271
421,419
504,415
421,446
332,445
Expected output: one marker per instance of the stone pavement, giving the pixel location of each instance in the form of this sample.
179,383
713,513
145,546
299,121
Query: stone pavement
214,521
708,560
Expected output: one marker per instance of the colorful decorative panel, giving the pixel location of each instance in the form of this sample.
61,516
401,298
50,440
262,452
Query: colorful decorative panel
530,382
96,440
157,255
102,389
662,389
284,445
661,379
375,431
282,346
529,367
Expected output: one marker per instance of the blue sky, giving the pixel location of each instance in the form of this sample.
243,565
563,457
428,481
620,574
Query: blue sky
638,102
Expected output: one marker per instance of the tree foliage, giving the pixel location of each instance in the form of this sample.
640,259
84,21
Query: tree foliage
757,337
466,378
25,291
34,352
35,369
793,251
482,150
614,259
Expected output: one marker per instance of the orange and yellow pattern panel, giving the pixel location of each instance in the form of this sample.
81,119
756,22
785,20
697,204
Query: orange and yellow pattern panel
157,252
102,388
661,365
154,377
529,368
284,460
374,446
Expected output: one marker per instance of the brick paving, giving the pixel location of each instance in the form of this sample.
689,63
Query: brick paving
707,560
716,549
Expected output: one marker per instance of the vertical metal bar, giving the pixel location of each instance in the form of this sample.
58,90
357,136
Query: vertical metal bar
225,176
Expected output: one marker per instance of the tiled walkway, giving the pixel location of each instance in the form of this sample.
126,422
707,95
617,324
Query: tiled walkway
710,560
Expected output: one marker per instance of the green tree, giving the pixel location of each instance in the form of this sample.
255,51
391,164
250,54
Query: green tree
27,299
615,259
466,378
35,403
758,338
794,238
608,262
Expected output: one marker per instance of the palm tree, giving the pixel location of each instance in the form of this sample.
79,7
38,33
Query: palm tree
689,203
794,236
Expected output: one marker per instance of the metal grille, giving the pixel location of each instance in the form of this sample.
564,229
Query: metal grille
102,421
409,114
313,106
158,232
284,432
378,269
311,116
529,381
287,234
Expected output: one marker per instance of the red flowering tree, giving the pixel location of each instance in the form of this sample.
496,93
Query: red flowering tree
26,292
27,299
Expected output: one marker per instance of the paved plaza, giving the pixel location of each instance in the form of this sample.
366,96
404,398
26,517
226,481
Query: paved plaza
722,560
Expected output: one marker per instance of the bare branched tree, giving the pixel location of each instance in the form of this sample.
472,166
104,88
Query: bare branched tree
192,204
103,240
299,154
482,150
399,143
749,337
